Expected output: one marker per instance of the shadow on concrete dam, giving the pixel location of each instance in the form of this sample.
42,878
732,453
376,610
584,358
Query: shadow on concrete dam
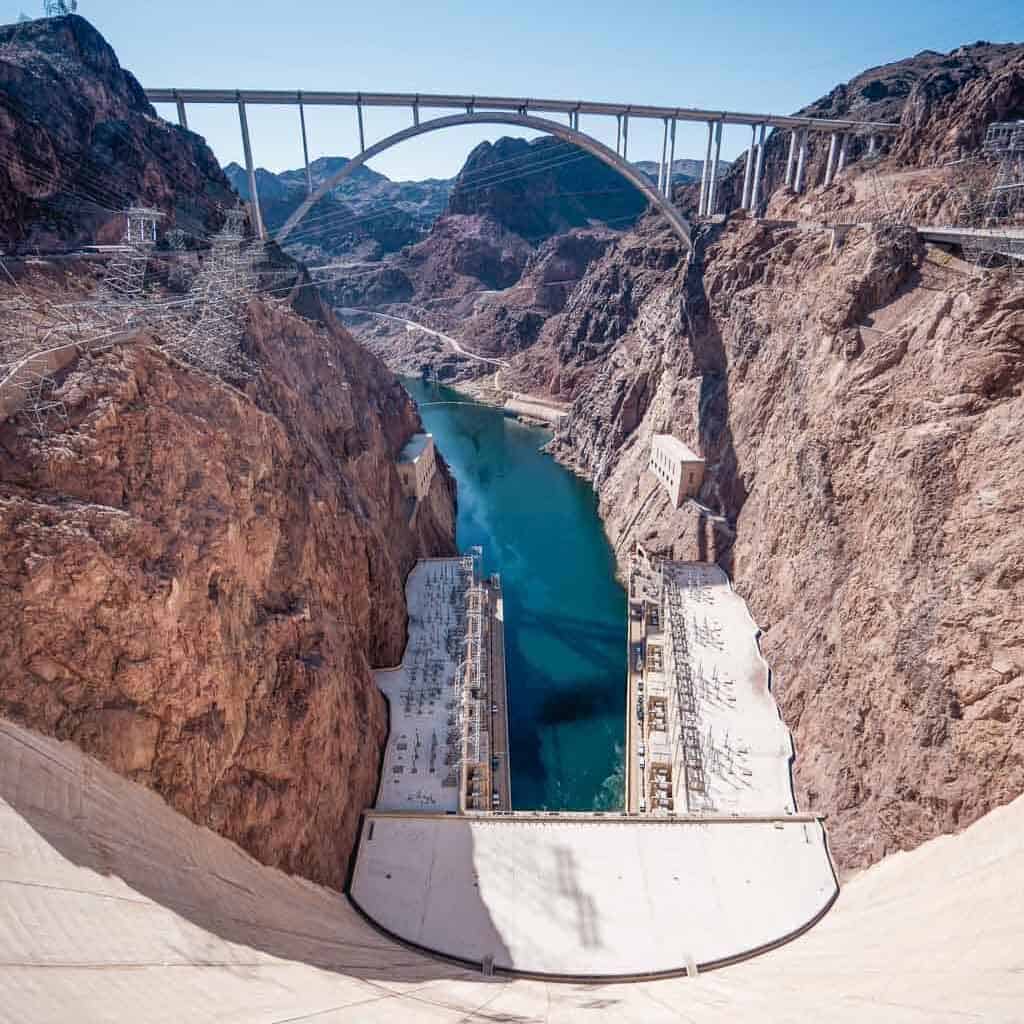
117,908
131,882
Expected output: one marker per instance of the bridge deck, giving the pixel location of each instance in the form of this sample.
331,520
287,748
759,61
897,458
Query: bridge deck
508,103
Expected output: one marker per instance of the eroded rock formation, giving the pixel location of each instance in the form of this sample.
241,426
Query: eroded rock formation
195,582
79,142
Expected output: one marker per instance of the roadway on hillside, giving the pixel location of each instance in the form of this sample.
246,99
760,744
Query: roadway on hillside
455,343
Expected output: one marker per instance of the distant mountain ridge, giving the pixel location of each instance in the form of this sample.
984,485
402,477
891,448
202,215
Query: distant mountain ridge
367,211
684,170
543,187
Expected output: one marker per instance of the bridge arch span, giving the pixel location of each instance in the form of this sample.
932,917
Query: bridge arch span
540,124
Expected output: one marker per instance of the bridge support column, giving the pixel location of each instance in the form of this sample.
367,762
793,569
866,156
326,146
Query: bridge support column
671,161
618,134
801,163
305,147
359,114
791,159
755,187
702,207
748,170
713,180
416,113
833,152
182,118
842,152
625,134
662,175
254,196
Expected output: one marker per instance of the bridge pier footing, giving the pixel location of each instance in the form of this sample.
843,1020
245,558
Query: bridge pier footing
180,104
305,147
842,152
833,151
713,178
662,174
254,196
671,161
756,185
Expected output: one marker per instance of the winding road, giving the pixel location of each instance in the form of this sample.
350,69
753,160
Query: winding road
462,350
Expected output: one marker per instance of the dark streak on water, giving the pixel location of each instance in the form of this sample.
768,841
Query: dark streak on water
564,611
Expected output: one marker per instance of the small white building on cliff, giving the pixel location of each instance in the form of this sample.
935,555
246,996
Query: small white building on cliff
416,465
680,470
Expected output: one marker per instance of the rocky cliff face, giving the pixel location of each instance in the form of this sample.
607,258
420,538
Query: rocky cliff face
195,581
856,411
943,103
856,406
542,188
79,142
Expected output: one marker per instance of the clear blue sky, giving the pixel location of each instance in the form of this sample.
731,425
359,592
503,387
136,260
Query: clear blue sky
755,55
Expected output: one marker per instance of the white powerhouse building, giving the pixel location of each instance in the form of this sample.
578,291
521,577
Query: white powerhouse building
676,466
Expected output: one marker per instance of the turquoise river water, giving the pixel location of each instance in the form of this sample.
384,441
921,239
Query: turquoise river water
565,614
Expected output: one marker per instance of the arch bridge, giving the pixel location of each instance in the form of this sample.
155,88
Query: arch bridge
535,114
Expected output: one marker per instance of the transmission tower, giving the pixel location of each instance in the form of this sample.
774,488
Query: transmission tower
210,333
126,271
1002,206
41,400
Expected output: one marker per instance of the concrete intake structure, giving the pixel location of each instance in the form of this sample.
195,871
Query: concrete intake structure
680,470
580,895
447,748
416,465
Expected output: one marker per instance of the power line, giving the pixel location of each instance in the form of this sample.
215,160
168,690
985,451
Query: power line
309,227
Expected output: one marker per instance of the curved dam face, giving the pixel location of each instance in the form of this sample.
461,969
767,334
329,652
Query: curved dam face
583,897
116,908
